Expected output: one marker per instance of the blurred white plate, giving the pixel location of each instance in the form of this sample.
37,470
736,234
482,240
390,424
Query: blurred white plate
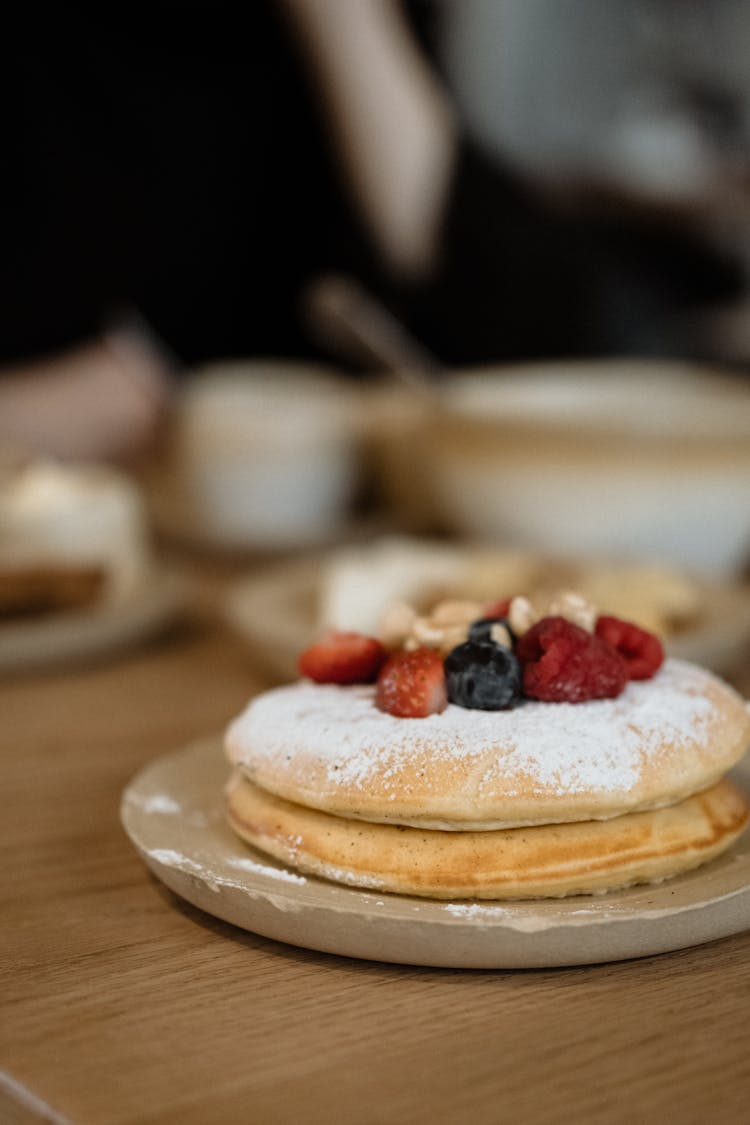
176,525
277,611
173,813
56,638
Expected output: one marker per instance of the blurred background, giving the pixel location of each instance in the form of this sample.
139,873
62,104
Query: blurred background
303,267
513,179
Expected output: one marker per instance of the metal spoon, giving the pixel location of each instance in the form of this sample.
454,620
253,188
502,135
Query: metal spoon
350,320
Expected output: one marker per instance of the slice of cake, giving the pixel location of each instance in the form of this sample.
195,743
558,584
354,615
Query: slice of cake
70,536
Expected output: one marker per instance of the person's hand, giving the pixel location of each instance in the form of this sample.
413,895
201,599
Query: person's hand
101,401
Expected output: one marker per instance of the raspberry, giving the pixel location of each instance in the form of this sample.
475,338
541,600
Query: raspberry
343,658
562,663
412,684
642,651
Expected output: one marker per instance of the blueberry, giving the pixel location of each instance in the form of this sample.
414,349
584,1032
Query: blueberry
481,630
483,676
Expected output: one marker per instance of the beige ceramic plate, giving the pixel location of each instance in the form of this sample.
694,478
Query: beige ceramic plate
173,813
83,634
277,612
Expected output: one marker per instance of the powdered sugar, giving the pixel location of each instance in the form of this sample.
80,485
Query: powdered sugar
597,747
213,877
158,803
242,863
475,910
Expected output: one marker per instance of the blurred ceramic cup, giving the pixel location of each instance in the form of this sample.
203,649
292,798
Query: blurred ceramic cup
266,453
626,458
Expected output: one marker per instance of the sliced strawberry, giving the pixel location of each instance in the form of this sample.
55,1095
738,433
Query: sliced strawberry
342,658
412,684
642,651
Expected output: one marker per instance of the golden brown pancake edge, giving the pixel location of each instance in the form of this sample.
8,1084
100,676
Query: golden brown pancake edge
549,861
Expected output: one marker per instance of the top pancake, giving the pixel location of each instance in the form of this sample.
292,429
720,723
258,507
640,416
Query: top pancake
330,748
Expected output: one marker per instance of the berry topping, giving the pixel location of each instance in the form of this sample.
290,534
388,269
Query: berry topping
483,676
562,663
642,652
343,658
412,684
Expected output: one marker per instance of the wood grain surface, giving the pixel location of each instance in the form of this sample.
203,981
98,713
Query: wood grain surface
120,1003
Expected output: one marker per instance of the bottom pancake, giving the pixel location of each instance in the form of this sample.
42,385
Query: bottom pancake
545,861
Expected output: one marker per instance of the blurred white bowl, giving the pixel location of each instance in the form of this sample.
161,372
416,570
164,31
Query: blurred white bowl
629,458
265,454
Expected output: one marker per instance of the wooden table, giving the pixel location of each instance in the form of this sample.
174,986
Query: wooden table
121,1003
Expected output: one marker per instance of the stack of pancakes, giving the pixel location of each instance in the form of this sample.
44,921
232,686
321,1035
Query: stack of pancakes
546,800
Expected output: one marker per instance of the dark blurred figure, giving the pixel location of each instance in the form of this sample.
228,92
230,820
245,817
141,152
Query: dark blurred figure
199,164
605,193
164,169
170,160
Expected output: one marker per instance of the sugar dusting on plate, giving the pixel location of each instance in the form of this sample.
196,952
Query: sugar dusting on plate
170,857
